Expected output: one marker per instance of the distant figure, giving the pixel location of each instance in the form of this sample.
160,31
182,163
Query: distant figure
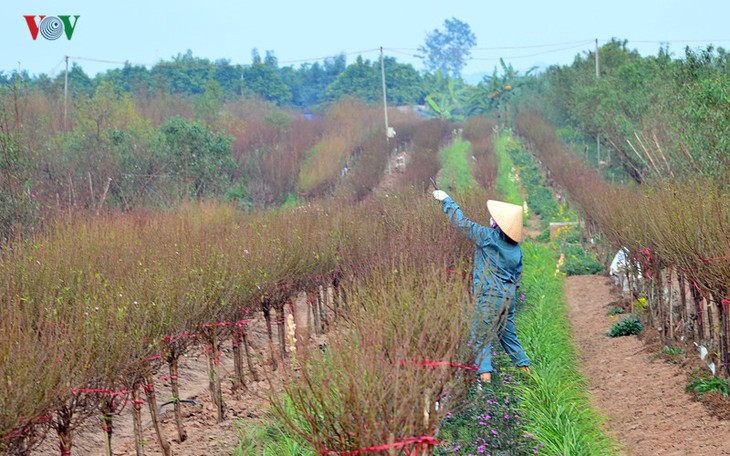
400,161
619,269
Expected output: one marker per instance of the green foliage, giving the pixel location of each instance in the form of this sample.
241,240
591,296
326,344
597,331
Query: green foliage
672,351
540,197
578,261
629,326
456,172
446,96
201,158
507,183
494,93
555,402
615,310
360,80
448,50
655,115
490,420
701,383
269,438
544,236
264,80
18,209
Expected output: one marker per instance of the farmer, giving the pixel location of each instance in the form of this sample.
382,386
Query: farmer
497,273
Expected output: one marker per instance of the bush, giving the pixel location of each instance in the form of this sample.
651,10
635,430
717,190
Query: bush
701,383
629,326
544,236
580,262
615,310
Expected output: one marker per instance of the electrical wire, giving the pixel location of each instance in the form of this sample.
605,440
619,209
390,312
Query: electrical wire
410,52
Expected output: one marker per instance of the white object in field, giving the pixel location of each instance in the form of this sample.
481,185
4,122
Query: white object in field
702,349
712,368
391,132
619,269
290,333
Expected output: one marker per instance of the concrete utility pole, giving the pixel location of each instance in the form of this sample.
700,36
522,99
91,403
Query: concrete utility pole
598,136
65,98
385,99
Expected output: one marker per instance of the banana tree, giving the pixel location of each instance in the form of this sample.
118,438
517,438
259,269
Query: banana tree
494,91
446,98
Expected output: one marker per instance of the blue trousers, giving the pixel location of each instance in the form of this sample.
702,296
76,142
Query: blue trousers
502,313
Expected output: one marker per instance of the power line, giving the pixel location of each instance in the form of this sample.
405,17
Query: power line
410,52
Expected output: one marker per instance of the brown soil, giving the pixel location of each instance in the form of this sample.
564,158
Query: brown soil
205,436
641,395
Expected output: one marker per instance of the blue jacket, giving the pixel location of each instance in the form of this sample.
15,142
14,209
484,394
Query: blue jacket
497,258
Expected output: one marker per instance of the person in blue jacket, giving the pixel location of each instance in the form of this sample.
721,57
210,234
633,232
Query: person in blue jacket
497,273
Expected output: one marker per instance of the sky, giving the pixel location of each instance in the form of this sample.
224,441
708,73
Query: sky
525,33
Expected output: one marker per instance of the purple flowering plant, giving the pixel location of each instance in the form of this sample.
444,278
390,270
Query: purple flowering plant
489,421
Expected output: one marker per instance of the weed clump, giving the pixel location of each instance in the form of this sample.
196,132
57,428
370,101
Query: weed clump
629,326
702,383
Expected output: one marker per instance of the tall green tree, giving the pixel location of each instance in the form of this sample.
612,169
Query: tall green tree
360,80
449,49
200,158
403,83
263,78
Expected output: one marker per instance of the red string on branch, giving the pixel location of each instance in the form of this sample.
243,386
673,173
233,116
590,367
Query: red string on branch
707,260
168,339
209,349
99,391
417,441
442,363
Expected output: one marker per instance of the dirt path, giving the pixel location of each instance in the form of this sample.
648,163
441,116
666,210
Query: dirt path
642,397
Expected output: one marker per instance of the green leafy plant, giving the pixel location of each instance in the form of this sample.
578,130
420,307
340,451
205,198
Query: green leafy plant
615,310
629,326
578,261
701,383
672,351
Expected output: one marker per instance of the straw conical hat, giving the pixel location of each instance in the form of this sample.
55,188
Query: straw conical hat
508,217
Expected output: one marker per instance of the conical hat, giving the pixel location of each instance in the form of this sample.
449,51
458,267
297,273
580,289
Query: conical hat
508,217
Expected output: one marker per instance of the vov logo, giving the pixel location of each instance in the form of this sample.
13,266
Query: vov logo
51,27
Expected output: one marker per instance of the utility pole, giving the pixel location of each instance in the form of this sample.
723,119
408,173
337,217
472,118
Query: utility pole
598,135
65,99
385,99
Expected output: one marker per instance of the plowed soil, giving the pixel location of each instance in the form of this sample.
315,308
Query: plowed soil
641,395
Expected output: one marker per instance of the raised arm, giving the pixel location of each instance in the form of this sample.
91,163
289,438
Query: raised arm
474,231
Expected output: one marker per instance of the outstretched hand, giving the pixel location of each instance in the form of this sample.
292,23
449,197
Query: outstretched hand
440,195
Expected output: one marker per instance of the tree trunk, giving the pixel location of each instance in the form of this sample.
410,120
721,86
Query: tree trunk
266,309
149,389
174,386
107,418
249,358
214,376
137,419
239,380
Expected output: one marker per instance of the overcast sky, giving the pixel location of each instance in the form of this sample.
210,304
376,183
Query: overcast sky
524,33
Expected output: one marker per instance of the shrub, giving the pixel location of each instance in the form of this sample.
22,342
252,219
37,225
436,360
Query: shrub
701,383
616,310
629,326
580,262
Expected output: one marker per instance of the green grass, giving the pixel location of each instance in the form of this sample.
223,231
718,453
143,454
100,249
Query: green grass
456,172
268,438
555,402
507,184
